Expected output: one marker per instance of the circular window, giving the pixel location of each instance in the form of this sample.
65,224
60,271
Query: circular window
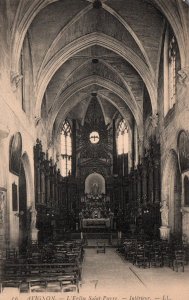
94,137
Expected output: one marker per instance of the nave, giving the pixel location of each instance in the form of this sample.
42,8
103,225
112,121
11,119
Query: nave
94,144
109,274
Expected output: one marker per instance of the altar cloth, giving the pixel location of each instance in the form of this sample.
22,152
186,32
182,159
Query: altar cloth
96,223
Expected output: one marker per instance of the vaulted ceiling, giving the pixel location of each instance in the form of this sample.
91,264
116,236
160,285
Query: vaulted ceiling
78,50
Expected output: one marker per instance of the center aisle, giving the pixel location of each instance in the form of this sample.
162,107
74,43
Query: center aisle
111,277
107,274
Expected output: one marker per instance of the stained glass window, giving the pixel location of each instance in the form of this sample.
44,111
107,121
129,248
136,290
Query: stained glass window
172,72
170,61
66,149
122,138
94,137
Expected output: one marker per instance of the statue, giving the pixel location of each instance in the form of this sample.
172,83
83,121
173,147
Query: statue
164,213
95,189
33,216
183,82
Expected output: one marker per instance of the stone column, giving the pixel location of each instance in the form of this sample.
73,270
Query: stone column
144,184
185,222
4,223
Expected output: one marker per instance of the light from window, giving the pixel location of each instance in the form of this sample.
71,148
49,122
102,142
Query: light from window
122,138
66,149
170,56
94,137
172,72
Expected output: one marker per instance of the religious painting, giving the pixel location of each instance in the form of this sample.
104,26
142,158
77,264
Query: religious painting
186,191
183,151
14,197
15,153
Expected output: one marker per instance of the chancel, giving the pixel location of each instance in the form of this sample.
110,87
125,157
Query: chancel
94,144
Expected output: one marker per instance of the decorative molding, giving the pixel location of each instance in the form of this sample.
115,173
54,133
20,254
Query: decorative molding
50,144
183,89
164,233
15,80
37,119
184,210
151,125
154,120
183,75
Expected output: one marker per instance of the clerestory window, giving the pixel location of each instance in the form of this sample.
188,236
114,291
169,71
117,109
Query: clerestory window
171,61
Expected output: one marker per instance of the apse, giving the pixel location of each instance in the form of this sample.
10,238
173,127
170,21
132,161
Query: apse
95,184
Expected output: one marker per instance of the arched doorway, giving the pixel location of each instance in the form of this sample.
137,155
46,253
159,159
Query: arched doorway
23,232
171,192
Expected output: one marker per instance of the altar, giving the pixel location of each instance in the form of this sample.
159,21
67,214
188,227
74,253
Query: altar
96,223
95,212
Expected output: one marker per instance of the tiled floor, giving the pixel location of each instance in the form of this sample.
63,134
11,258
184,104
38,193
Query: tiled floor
110,275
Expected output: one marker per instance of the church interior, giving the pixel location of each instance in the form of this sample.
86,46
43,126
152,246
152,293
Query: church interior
94,143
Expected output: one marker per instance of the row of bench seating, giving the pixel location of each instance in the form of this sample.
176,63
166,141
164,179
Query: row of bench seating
45,268
154,253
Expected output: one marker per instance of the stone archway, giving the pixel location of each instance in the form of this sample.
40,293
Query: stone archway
171,194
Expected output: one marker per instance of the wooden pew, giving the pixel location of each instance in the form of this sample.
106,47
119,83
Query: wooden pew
15,274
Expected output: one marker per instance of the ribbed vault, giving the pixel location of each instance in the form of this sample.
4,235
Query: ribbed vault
77,50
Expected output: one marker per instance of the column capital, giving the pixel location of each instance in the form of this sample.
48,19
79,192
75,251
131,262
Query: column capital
183,76
15,79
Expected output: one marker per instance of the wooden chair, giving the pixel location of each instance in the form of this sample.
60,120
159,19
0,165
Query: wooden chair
167,257
156,258
141,260
53,285
179,260
69,280
101,247
11,283
70,288
37,285
24,287
11,254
